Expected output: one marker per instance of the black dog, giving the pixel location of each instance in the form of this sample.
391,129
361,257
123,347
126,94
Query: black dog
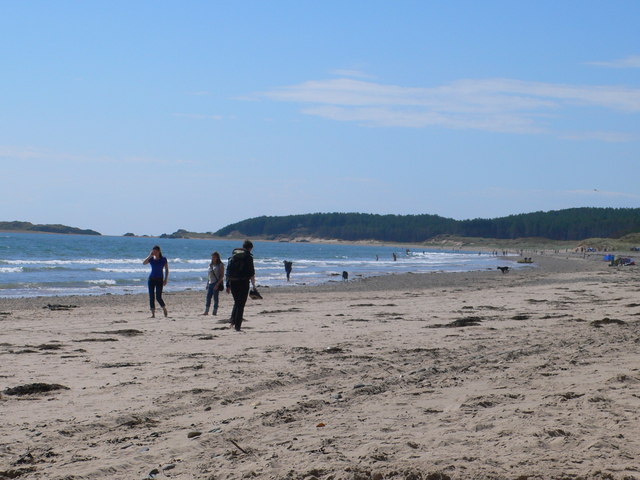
345,276
504,269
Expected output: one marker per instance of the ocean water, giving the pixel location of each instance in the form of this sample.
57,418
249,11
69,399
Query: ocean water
44,264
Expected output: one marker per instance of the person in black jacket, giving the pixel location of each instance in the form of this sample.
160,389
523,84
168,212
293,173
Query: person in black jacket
240,272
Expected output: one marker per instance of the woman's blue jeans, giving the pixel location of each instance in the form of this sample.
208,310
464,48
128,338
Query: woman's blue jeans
155,286
212,291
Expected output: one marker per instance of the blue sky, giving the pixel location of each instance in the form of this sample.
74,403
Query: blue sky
150,116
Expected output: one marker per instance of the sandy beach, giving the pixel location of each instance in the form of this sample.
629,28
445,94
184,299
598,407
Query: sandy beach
533,374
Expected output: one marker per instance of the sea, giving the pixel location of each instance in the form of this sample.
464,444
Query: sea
33,264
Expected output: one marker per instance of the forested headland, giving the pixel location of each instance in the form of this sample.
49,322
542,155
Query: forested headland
562,225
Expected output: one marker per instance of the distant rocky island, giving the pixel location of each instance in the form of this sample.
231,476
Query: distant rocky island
28,227
182,233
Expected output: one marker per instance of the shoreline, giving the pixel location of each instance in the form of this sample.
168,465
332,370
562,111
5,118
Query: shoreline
73,270
544,265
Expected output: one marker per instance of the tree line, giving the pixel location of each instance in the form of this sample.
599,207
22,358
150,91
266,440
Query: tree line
568,224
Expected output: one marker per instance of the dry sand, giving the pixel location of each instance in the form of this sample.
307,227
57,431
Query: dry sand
528,375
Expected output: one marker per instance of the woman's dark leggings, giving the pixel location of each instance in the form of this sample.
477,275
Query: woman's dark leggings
155,285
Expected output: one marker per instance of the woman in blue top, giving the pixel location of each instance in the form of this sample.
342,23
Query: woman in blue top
156,279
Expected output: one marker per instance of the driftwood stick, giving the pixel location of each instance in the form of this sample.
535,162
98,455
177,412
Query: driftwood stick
239,447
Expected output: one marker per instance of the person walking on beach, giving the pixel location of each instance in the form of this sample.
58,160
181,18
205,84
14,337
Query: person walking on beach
240,272
287,268
215,283
156,278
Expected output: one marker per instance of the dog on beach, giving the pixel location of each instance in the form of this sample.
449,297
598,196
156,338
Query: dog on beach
345,276
504,269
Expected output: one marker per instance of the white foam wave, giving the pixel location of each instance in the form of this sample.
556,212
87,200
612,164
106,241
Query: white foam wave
10,269
189,270
105,281
199,261
121,270
77,261
146,270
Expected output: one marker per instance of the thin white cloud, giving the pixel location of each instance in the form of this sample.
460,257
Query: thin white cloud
360,180
603,193
592,193
632,61
353,73
34,154
610,137
198,116
10,153
499,105
382,117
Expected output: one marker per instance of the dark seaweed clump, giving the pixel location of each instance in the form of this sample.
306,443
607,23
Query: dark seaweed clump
31,388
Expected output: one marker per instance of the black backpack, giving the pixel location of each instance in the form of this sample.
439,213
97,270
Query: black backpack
239,265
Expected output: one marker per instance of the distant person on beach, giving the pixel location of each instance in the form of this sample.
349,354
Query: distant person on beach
156,279
287,268
240,272
215,283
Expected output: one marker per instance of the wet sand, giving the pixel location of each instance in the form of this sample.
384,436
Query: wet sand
530,374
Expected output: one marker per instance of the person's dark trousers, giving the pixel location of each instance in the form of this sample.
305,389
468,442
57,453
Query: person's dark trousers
240,292
155,286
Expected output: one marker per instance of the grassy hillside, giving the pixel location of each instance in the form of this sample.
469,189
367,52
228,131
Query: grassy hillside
28,227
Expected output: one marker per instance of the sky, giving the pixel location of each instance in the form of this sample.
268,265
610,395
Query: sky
151,116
